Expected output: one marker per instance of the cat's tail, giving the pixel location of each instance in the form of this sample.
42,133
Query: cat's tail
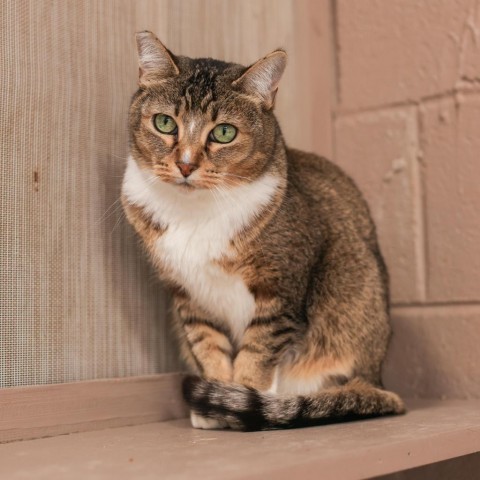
243,408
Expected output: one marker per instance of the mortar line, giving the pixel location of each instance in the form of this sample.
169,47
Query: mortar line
335,47
421,210
464,90
335,59
436,304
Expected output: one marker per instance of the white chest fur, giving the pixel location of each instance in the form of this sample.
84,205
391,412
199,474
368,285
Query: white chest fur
200,225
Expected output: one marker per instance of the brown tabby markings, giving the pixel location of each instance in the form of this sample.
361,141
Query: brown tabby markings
309,256
208,346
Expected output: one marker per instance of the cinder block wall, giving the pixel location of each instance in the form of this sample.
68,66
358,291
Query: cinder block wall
407,128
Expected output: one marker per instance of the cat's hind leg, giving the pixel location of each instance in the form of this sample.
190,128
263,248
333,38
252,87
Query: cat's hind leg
264,345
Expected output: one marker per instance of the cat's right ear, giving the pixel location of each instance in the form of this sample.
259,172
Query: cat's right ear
155,60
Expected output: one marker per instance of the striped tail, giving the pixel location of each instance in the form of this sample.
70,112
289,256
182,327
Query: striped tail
244,408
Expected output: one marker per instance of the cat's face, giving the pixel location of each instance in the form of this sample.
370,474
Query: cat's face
202,123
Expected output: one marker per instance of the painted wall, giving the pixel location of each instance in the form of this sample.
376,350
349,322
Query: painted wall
407,128
389,89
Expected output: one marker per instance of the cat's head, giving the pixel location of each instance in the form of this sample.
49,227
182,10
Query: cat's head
203,123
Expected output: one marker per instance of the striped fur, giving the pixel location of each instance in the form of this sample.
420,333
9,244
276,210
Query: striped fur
247,409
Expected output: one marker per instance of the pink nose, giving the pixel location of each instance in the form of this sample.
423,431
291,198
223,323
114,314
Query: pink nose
186,168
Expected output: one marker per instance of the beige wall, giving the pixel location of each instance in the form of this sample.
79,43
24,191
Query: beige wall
390,90
407,128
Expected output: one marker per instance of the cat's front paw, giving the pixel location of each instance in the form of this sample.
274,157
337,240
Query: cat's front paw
204,423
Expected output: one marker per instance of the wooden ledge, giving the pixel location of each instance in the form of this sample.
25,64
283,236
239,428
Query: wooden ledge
48,410
431,432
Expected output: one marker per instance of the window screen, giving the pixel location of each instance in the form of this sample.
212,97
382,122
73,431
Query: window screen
78,299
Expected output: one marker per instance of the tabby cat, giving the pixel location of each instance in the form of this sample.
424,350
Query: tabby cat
279,288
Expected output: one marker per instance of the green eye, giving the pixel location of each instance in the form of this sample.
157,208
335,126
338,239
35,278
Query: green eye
165,124
223,133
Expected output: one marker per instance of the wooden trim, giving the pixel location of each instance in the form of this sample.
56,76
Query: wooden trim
432,431
48,410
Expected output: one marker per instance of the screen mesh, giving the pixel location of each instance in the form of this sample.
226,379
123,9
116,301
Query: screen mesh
78,299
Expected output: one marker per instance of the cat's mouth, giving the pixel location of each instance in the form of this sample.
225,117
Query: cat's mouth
186,184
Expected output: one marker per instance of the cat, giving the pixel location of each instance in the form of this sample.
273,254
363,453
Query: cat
279,288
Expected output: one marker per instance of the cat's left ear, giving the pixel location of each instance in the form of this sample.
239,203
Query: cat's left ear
155,61
262,78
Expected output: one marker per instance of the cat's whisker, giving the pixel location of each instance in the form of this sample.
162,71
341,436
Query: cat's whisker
152,180
117,209
120,218
116,156
107,213
235,175
214,191
222,192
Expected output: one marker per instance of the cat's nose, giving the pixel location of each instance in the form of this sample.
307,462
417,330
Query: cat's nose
186,168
